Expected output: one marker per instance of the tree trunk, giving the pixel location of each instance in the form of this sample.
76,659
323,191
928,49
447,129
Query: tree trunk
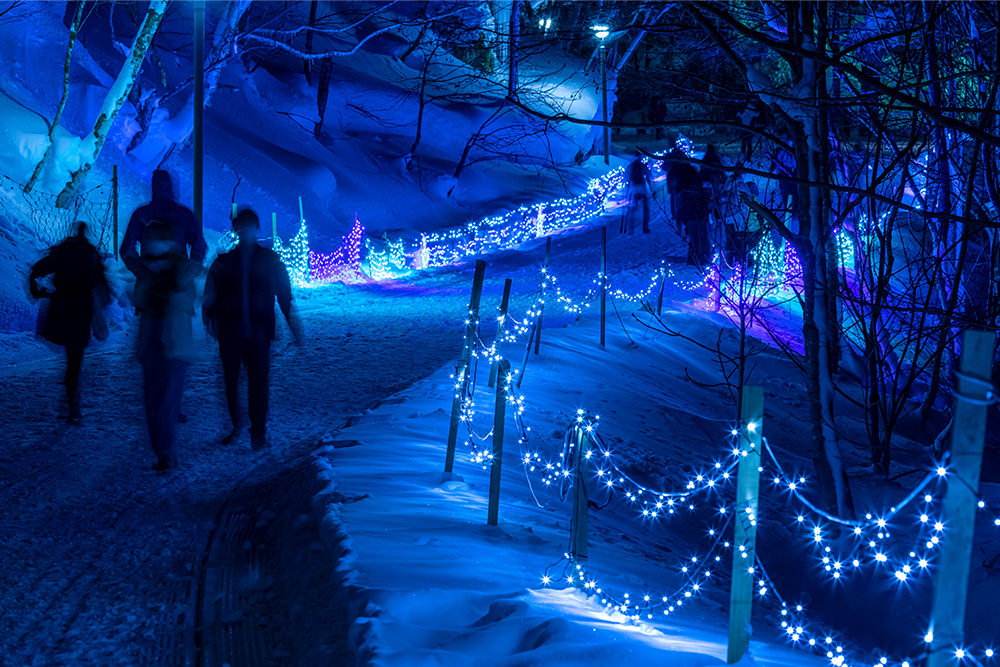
812,167
515,29
322,93
74,28
306,64
223,40
116,97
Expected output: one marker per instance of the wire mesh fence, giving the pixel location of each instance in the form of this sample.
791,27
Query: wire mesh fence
47,224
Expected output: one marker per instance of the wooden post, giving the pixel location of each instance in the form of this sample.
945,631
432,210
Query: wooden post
604,281
114,208
745,523
968,431
274,229
500,323
659,299
198,166
541,308
498,422
461,371
578,523
527,352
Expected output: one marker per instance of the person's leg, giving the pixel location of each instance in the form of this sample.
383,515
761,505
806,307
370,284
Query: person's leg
74,359
258,360
229,353
153,384
170,404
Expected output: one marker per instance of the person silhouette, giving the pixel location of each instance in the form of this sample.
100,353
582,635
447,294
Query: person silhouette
639,180
185,228
164,296
80,294
238,309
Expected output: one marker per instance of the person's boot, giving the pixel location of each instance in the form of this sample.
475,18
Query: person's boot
230,437
75,415
258,442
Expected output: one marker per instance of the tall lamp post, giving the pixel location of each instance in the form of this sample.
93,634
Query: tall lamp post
602,32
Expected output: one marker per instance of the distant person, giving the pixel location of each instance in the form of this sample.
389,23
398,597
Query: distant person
714,178
240,291
164,296
674,157
186,230
75,306
640,180
692,209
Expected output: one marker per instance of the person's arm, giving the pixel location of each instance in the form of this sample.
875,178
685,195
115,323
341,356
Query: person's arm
101,288
129,248
196,239
41,268
283,293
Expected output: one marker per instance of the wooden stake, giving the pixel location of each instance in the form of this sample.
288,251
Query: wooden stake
527,353
578,523
541,308
500,323
604,282
456,412
968,432
745,528
659,299
498,423
461,370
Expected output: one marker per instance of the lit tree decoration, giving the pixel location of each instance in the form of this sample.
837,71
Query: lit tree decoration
295,256
344,264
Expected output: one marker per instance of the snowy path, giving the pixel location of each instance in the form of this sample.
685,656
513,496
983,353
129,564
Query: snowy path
102,558
107,563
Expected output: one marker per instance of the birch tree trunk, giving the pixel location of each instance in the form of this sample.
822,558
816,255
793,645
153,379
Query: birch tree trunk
74,28
223,40
514,27
115,98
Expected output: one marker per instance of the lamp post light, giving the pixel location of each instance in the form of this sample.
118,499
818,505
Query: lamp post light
602,32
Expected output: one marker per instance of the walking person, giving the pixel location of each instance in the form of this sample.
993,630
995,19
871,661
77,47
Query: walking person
164,297
238,309
75,305
640,180
186,230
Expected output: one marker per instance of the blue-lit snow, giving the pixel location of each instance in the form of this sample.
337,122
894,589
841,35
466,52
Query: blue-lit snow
433,584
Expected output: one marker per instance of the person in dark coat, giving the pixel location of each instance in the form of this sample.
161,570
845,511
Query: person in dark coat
80,293
238,309
185,228
639,183
164,296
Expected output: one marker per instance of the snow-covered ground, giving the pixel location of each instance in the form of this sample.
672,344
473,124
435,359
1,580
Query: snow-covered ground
106,563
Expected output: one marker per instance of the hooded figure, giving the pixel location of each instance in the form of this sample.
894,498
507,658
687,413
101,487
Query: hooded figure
185,229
